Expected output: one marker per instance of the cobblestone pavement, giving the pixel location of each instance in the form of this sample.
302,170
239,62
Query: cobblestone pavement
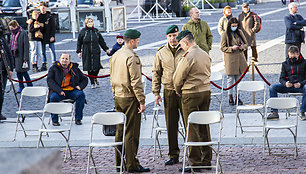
234,159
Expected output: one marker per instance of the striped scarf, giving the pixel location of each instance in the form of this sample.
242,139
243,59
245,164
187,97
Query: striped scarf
14,42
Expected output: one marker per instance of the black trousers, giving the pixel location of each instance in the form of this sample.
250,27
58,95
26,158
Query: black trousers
2,88
93,73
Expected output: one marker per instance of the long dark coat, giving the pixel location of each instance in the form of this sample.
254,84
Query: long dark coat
89,42
23,52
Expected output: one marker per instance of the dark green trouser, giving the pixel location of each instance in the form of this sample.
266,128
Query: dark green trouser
129,106
172,105
198,156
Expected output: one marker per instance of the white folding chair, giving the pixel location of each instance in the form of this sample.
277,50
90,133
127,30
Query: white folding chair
106,118
218,76
32,92
57,108
284,123
249,87
296,95
204,117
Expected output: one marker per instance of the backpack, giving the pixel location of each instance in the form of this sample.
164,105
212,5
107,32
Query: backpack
259,22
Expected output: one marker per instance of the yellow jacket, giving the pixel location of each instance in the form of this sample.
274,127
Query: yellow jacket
125,72
164,66
193,72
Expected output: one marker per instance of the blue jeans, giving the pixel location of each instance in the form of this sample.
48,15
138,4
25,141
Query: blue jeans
53,54
279,88
76,95
26,76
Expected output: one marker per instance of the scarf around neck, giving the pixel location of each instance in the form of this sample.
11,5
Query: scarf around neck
14,42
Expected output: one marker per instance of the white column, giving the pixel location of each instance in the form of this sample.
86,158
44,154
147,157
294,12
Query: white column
107,15
24,4
72,6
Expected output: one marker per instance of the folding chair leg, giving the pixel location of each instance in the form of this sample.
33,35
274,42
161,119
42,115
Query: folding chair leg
88,160
161,155
93,161
184,159
67,147
155,145
268,144
153,120
294,139
40,140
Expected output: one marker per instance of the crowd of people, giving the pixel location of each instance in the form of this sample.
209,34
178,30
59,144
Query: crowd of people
182,66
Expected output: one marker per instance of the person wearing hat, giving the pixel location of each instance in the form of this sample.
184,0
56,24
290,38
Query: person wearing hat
165,62
227,14
117,46
48,20
191,81
200,30
249,24
129,97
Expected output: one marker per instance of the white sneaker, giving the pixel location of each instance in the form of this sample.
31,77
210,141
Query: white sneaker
93,86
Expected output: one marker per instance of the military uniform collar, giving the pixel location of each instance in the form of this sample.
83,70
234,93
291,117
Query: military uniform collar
126,47
192,48
169,45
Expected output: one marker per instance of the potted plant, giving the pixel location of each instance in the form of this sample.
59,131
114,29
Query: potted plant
232,3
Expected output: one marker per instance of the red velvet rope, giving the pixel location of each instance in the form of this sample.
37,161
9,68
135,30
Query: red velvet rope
263,78
91,76
244,73
30,80
147,77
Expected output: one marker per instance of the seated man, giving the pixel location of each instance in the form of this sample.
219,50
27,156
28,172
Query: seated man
66,81
292,79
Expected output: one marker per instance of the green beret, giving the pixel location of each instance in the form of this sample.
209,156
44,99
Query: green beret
172,29
182,34
132,34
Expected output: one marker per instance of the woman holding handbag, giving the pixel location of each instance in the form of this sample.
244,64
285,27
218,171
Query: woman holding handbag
20,50
233,43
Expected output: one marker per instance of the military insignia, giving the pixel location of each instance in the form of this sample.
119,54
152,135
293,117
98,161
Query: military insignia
175,29
137,62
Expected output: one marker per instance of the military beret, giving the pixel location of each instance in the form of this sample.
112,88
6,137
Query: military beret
172,29
132,34
182,34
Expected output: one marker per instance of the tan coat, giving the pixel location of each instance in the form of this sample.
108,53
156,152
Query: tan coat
222,25
201,33
125,72
193,72
249,25
163,68
234,60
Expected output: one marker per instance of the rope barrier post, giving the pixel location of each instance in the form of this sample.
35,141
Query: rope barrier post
253,76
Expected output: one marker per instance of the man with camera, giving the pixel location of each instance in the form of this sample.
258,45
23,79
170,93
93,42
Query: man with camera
292,79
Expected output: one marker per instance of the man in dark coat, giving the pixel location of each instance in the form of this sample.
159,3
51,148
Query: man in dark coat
7,55
49,33
292,79
295,34
66,81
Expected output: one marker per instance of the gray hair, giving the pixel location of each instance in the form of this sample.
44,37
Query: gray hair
292,4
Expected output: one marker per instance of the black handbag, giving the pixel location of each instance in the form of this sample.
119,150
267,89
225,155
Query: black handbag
109,130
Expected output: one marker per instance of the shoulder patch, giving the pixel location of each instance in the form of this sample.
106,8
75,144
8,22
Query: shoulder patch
160,47
137,60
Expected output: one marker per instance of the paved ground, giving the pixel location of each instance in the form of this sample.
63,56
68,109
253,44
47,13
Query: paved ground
236,154
233,159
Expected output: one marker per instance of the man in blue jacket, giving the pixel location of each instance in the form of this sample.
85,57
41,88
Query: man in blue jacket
294,28
66,81
292,79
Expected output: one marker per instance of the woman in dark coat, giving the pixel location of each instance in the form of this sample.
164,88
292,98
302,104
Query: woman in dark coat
88,48
20,51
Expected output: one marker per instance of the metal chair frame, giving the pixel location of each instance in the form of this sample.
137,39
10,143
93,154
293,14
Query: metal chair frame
57,108
106,118
35,91
217,76
249,86
283,103
204,117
